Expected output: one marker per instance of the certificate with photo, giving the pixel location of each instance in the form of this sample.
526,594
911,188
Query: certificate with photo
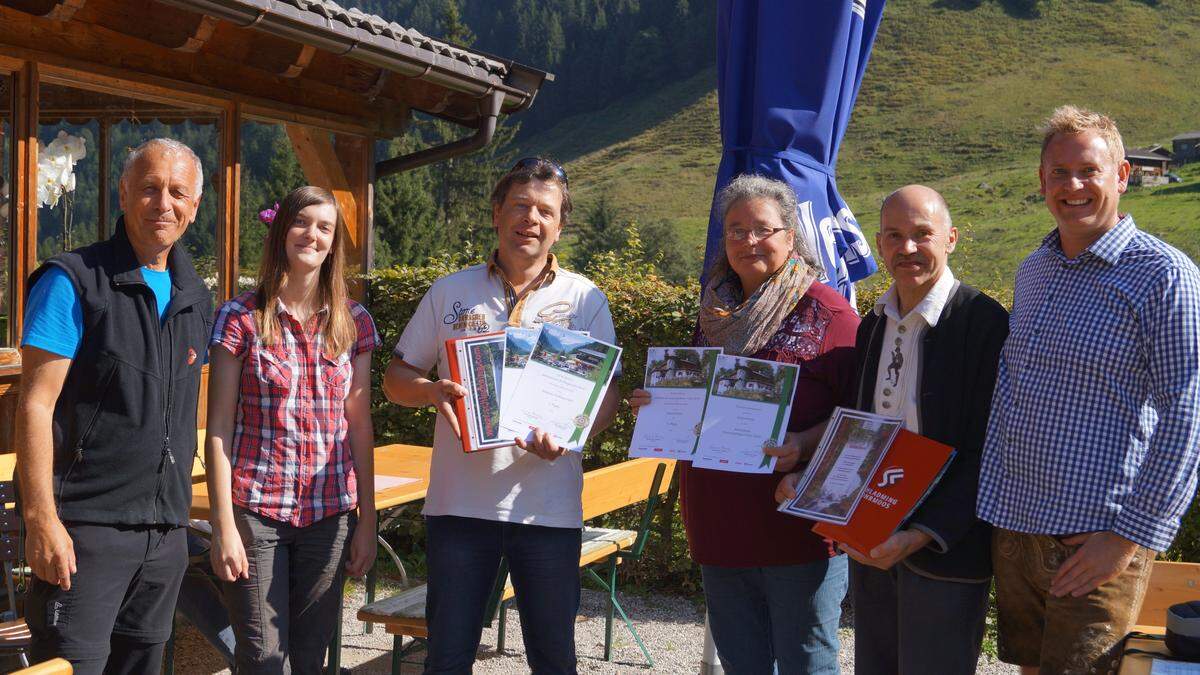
840,471
477,363
518,345
679,380
748,409
561,387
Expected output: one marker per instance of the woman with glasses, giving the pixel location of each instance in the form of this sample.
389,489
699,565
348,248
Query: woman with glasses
290,442
773,588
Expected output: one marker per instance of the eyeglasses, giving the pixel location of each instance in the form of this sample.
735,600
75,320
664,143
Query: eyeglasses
760,233
535,163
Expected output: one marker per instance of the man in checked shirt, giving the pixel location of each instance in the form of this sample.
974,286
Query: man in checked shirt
1091,453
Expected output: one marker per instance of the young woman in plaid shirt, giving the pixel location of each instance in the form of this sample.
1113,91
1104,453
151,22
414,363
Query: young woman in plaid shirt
289,441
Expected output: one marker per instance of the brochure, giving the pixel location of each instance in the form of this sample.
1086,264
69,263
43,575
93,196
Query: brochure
561,388
911,468
679,381
477,363
749,406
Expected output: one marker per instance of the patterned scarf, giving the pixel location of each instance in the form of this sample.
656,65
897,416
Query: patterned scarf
743,328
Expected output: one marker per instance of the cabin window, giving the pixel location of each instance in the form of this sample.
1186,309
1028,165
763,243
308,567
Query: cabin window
270,170
84,137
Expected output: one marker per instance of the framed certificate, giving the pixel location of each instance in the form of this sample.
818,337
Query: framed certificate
679,381
477,363
847,457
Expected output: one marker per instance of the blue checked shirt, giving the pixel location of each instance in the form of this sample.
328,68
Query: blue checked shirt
1096,414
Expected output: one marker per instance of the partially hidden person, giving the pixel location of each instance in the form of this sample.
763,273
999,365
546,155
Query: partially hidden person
772,587
926,354
1091,451
521,502
289,446
114,339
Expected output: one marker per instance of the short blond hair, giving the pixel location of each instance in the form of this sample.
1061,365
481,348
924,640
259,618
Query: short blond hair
1069,119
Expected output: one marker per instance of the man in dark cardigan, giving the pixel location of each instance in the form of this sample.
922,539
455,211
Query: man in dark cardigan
927,354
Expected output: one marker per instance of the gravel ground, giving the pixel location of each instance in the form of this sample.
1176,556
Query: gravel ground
672,628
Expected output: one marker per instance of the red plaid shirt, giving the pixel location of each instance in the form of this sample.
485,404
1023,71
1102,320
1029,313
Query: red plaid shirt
290,458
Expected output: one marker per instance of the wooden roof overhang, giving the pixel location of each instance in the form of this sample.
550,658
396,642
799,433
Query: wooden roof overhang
312,58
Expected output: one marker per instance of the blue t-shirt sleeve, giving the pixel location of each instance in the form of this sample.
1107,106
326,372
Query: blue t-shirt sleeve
53,315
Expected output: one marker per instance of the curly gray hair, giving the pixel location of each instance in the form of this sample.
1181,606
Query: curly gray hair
166,145
753,186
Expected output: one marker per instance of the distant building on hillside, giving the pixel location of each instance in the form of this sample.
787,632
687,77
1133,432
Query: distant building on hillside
1149,165
1186,147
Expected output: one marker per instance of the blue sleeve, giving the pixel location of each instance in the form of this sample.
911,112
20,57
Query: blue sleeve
53,315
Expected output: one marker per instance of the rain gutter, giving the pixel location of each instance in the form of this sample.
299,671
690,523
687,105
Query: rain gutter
489,111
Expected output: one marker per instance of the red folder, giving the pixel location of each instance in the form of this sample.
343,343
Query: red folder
910,469
465,430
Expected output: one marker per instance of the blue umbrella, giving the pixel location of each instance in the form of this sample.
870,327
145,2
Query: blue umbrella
788,72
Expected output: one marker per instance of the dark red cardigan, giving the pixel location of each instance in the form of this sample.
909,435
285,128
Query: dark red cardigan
730,518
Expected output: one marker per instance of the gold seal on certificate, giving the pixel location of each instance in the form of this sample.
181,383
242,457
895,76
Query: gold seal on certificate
581,421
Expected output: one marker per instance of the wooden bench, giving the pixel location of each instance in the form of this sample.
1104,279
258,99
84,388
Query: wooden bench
51,667
604,490
1170,583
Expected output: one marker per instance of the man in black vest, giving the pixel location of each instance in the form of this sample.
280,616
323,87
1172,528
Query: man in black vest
113,343
926,354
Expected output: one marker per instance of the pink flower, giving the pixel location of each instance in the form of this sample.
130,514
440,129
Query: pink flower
268,215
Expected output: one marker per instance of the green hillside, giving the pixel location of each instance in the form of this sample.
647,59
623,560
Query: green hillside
952,96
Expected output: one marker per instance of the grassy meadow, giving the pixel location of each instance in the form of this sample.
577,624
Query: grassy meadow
952,97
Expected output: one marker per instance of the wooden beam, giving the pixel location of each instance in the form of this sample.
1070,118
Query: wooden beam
200,36
314,149
24,225
65,9
356,155
231,188
104,160
304,58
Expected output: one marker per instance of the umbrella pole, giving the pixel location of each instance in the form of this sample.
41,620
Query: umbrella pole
709,664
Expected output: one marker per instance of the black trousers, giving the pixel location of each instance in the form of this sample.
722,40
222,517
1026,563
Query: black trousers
288,609
117,616
909,624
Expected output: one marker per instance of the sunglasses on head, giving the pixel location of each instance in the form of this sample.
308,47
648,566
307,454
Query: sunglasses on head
534,163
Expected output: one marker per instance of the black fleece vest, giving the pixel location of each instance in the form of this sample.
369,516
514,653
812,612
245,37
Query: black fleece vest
125,422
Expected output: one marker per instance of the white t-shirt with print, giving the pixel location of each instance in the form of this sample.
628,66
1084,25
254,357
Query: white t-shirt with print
504,484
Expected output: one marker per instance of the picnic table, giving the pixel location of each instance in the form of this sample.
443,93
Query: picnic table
401,477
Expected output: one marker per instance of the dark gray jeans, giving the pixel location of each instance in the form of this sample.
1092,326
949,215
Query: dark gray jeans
287,609
910,624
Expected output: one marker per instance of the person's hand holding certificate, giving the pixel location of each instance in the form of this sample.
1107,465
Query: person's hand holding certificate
678,381
749,409
561,387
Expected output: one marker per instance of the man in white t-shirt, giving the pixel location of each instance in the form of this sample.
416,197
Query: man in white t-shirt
522,502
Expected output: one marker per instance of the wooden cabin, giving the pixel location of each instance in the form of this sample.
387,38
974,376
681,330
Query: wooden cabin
101,75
